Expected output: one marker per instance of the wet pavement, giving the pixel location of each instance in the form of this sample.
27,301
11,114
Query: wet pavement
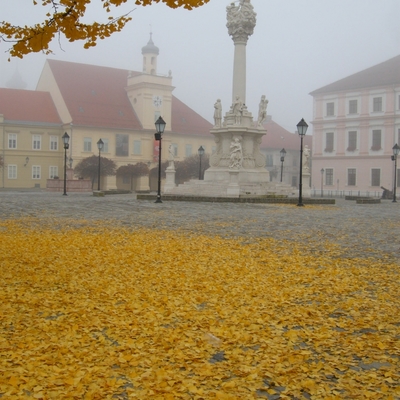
360,230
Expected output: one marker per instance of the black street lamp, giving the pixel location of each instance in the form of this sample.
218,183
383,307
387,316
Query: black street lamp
200,151
160,126
100,145
396,151
322,182
283,154
65,139
301,129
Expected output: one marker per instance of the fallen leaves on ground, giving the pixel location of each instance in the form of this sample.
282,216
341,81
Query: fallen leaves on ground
98,311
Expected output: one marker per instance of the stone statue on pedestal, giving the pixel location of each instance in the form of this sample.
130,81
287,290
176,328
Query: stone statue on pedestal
262,111
236,158
217,113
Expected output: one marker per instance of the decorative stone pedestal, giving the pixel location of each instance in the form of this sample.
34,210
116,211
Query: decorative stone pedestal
306,189
169,184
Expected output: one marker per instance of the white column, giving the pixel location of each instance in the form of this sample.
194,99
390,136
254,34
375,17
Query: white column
239,72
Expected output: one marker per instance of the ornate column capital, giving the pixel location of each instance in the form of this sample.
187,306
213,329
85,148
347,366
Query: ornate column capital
241,21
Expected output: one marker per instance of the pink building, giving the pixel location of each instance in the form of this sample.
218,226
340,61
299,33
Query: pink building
356,124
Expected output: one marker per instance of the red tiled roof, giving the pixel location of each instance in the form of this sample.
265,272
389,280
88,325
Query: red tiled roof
28,106
278,138
185,120
384,74
96,96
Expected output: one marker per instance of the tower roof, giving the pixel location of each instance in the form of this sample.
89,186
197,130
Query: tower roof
150,47
384,74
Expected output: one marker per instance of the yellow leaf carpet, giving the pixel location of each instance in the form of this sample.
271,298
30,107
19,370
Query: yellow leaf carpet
90,310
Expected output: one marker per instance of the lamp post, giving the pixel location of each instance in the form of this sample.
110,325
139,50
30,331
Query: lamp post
283,154
301,129
396,151
100,145
160,126
322,182
65,139
200,151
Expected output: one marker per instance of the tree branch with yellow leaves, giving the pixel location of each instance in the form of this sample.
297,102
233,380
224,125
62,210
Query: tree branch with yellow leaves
65,20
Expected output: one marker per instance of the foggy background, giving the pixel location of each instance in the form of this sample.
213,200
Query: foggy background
297,46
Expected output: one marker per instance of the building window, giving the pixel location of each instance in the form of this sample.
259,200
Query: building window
377,104
353,105
351,177
105,145
375,177
53,143
270,160
12,140
126,179
376,140
329,176
122,145
53,171
329,140
188,150
36,142
330,109
174,149
352,145
12,172
87,144
35,171
137,147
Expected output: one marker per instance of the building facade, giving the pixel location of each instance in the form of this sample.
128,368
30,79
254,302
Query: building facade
356,124
91,102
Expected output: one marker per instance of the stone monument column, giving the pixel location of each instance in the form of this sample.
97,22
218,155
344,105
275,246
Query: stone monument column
241,22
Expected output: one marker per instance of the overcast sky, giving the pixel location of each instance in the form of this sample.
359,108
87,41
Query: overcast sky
297,46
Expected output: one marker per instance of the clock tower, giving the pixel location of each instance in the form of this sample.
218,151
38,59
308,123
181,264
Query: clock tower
149,92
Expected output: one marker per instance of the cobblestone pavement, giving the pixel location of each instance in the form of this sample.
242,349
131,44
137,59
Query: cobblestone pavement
359,229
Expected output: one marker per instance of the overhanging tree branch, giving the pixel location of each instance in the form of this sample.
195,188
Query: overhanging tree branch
65,21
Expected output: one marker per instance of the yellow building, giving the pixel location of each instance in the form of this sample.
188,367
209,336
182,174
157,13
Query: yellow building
91,102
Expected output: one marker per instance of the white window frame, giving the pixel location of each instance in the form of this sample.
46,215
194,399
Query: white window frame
53,145
380,175
53,171
355,175
137,147
351,101
36,142
330,150
87,144
327,173
328,103
105,145
188,150
352,150
12,171
36,172
12,139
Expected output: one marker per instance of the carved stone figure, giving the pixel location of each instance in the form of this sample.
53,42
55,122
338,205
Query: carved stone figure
262,111
171,155
237,110
217,113
236,158
241,20
306,159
